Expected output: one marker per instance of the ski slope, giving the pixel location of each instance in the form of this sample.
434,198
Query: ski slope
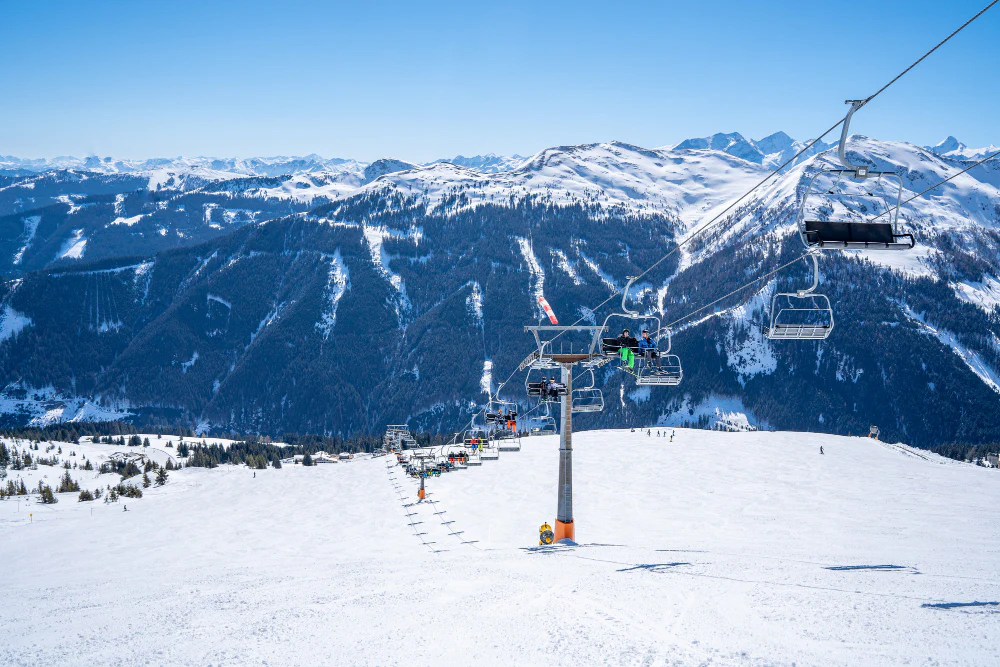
717,548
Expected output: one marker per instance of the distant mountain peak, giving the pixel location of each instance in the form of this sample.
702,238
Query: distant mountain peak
770,151
491,163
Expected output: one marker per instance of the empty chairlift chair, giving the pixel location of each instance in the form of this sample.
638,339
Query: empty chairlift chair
850,217
588,398
801,315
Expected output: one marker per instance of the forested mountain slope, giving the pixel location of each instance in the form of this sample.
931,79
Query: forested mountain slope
402,298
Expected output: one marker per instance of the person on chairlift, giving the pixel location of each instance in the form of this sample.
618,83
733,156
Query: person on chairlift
625,338
555,387
647,348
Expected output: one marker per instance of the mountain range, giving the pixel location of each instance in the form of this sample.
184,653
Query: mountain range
306,294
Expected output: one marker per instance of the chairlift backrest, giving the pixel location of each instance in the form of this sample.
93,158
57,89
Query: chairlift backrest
853,229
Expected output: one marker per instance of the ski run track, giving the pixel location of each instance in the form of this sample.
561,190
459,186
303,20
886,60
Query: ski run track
713,549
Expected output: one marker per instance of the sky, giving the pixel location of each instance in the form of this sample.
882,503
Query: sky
425,80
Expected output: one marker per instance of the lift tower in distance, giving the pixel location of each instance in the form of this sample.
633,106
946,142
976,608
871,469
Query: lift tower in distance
565,347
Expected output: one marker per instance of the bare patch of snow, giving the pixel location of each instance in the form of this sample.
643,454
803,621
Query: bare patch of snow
74,246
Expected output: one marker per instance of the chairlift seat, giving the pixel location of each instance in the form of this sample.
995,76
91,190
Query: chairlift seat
856,235
612,346
805,315
798,332
535,389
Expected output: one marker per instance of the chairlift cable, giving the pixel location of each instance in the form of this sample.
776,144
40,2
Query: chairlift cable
739,289
921,58
771,175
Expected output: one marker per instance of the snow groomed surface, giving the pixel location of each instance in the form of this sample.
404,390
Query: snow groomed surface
717,548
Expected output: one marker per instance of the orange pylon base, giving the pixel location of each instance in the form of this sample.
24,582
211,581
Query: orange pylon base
565,531
420,494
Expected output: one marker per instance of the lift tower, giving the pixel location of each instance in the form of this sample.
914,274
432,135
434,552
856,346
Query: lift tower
565,347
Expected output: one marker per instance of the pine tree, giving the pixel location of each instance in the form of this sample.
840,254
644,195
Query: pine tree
161,476
277,464
307,460
46,495
85,496
145,481
66,484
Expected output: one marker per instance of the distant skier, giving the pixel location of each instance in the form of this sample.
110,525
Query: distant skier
124,508
649,433
671,436
821,449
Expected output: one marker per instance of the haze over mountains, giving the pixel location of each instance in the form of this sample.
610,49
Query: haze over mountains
333,295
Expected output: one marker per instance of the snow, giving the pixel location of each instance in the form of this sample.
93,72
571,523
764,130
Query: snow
535,268
486,381
30,227
970,358
562,261
337,283
685,184
474,302
218,299
44,406
723,413
12,322
985,294
189,363
128,222
717,548
74,246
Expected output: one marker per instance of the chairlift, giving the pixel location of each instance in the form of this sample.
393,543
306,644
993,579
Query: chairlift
588,398
474,438
662,370
846,221
536,388
543,424
801,315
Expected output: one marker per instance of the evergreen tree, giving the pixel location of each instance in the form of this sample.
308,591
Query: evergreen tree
85,496
307,460
277,464
4,455
161,476
145,481
46,495
66,484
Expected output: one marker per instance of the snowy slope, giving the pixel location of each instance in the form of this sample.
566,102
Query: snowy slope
610,175
731,549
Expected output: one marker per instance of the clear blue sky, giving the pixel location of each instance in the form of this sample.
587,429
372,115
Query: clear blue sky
423,80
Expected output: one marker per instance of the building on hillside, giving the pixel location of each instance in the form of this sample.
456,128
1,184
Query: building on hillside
346,456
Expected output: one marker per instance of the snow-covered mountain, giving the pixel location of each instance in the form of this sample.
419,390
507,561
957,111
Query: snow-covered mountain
955,149
771,151
490,163
217,308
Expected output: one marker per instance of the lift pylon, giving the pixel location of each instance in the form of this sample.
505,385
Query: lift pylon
578,345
